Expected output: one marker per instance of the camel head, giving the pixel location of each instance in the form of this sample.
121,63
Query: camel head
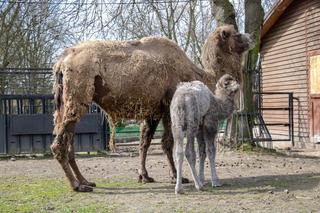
227,85
234,41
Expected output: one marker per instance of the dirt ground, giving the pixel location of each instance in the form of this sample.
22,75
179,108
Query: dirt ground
253,182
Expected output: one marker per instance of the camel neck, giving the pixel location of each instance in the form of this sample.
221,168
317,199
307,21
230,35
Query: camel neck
225,102
209,78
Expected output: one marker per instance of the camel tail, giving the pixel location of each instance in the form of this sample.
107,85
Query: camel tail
58,87
58,97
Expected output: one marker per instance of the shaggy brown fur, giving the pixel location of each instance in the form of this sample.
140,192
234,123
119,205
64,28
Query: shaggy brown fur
127,79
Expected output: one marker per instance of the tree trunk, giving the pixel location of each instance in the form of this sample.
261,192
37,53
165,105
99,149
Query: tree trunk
223,12
254,9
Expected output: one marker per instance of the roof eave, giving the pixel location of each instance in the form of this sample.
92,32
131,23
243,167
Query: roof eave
274,14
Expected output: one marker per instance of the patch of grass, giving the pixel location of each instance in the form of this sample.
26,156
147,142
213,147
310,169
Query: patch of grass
251,149
108,183
278,183
19,194
246,147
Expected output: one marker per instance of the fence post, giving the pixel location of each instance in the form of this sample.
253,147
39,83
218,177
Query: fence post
291,133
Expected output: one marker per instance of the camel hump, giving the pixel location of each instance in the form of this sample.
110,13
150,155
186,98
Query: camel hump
134,42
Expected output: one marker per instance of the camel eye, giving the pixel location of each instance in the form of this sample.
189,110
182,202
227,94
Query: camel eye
237,37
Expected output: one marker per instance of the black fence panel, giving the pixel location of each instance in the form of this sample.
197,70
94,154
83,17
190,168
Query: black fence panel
3,134
26,126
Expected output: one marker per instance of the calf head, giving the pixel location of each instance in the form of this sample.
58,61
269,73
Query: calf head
227,85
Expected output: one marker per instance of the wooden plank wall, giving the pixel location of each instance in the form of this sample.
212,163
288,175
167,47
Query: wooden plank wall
284,52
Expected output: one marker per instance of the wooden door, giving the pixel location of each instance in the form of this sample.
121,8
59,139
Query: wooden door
314,88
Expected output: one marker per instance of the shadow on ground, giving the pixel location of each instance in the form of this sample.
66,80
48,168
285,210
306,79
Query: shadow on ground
257,184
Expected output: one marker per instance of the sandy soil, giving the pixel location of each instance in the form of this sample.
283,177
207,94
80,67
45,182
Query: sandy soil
253,182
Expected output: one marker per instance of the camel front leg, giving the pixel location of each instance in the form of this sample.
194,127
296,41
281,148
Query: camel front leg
209,137
112,140
148,128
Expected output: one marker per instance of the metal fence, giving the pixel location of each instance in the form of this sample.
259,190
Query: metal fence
26,125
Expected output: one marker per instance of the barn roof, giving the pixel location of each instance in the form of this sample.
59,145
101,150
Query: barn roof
274,14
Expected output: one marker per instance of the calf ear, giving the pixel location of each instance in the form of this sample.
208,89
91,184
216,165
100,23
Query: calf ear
224,35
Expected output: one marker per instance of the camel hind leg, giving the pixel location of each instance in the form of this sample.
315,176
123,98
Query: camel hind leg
75,168
60,148
76,99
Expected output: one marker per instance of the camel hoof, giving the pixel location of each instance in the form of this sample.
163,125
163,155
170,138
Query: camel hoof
83,188
184,180
92,184
145,179
87,183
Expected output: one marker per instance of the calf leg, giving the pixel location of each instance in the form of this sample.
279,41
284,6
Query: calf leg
209,137
202,154
191,158
167,145
179,153
148,128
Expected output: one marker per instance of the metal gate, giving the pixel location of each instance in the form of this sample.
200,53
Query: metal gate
26,125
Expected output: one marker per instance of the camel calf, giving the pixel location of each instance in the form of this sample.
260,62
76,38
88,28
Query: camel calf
196,111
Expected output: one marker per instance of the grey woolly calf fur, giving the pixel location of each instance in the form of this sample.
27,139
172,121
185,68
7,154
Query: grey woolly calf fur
196,112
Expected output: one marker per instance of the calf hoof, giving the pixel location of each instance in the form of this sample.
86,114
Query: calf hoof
83,188
202,181
179,191
216,183
199,186
145,179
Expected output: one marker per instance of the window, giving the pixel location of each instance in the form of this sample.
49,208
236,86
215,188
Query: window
315,74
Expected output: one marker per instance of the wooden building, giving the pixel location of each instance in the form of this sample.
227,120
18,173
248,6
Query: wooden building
290,53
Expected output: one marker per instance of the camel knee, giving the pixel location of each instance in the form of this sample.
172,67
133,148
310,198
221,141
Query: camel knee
145,144
57,120
59,149
62,142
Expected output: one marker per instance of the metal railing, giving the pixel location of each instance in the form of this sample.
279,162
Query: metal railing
288,108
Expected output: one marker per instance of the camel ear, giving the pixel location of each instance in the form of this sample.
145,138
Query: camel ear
224,35
218,85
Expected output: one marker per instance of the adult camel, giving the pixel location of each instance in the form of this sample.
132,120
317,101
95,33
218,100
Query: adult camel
133,80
